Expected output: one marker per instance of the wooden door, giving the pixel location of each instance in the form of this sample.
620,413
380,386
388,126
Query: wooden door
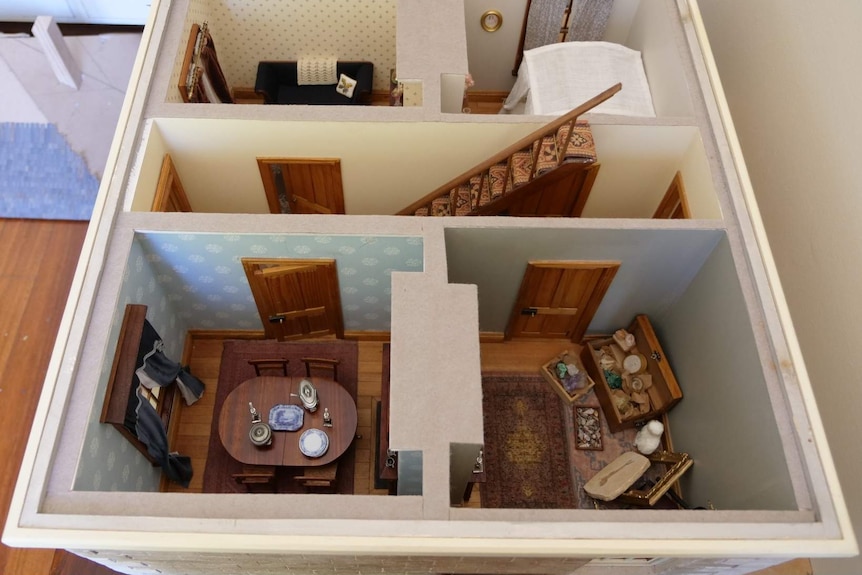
558,299
674,204
302,186
296,298
170,194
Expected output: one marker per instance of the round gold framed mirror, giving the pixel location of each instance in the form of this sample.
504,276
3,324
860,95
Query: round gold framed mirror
491,21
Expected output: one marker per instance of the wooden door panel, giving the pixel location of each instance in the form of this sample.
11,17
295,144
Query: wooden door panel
302,185
296,298
170,194
559,299
674,204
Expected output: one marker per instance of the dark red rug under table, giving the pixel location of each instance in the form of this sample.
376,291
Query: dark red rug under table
235,369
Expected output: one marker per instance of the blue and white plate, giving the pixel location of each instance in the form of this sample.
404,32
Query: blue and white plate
313,442
283,417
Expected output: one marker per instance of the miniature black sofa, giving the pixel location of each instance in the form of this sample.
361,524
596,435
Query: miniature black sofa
277,81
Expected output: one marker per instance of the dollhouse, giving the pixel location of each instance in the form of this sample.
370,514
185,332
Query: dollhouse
705,281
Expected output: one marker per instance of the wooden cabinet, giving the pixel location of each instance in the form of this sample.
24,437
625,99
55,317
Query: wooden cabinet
664,392
137,338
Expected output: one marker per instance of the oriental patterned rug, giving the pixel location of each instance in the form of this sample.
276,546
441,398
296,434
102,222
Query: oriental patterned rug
235,369
526,456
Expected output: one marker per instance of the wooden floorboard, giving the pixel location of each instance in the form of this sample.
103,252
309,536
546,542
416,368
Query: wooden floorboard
37,263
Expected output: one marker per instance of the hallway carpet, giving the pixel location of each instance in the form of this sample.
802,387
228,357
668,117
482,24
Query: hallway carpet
41,177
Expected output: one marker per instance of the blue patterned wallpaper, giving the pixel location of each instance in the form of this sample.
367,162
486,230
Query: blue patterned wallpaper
196,281
204,280
108,460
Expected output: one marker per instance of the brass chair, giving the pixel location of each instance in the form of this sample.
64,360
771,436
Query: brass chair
269,365
320,477
257,478
328,365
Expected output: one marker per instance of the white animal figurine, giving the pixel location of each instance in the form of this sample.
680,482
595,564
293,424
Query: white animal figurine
649,437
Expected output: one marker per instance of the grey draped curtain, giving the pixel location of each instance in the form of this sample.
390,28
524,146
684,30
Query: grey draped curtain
588,22
543,22
151,431
159,371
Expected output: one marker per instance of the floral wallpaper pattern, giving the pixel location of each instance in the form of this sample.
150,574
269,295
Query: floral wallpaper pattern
246,32
196,281
108,461
204,280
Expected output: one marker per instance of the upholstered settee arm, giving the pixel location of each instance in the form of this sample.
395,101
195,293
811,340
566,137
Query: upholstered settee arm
272,75
364,81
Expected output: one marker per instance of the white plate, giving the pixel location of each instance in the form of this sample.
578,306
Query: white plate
313,442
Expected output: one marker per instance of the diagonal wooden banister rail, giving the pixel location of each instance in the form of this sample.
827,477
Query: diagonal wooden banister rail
547,129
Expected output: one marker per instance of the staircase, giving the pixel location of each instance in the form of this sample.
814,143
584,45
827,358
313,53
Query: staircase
543,174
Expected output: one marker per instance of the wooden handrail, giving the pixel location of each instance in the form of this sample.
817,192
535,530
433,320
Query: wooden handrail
547,129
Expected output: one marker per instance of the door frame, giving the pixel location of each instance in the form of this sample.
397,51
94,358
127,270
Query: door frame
271,192
609,267
674,204
335,317
169,189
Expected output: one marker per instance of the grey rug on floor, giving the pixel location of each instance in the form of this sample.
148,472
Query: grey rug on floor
41,177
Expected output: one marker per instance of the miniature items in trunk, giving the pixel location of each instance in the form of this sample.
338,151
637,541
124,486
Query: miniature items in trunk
634,381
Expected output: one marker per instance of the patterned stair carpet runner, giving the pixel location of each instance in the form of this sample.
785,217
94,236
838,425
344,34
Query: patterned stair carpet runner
41,177
504,177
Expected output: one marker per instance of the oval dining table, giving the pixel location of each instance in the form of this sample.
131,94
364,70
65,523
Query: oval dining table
264,393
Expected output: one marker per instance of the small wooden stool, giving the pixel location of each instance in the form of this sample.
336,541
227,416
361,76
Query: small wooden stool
320,477
257,477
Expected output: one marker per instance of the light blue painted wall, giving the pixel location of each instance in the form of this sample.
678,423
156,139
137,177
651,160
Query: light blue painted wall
656,266
196,281
725,420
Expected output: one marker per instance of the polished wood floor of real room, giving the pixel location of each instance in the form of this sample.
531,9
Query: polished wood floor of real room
31,308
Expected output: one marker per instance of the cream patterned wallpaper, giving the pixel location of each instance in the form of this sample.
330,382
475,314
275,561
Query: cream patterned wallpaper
198,13
248,31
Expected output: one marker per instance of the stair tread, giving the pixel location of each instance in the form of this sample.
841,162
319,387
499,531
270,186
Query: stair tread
539,157
461,200
581,147
522,167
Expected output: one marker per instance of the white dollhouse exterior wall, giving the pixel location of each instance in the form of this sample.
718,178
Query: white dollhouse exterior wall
434,321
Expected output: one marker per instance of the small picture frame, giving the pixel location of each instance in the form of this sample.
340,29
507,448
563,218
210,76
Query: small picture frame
588,427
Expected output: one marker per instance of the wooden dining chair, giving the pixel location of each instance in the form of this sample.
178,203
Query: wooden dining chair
319,477
257,478
269,365
329,365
